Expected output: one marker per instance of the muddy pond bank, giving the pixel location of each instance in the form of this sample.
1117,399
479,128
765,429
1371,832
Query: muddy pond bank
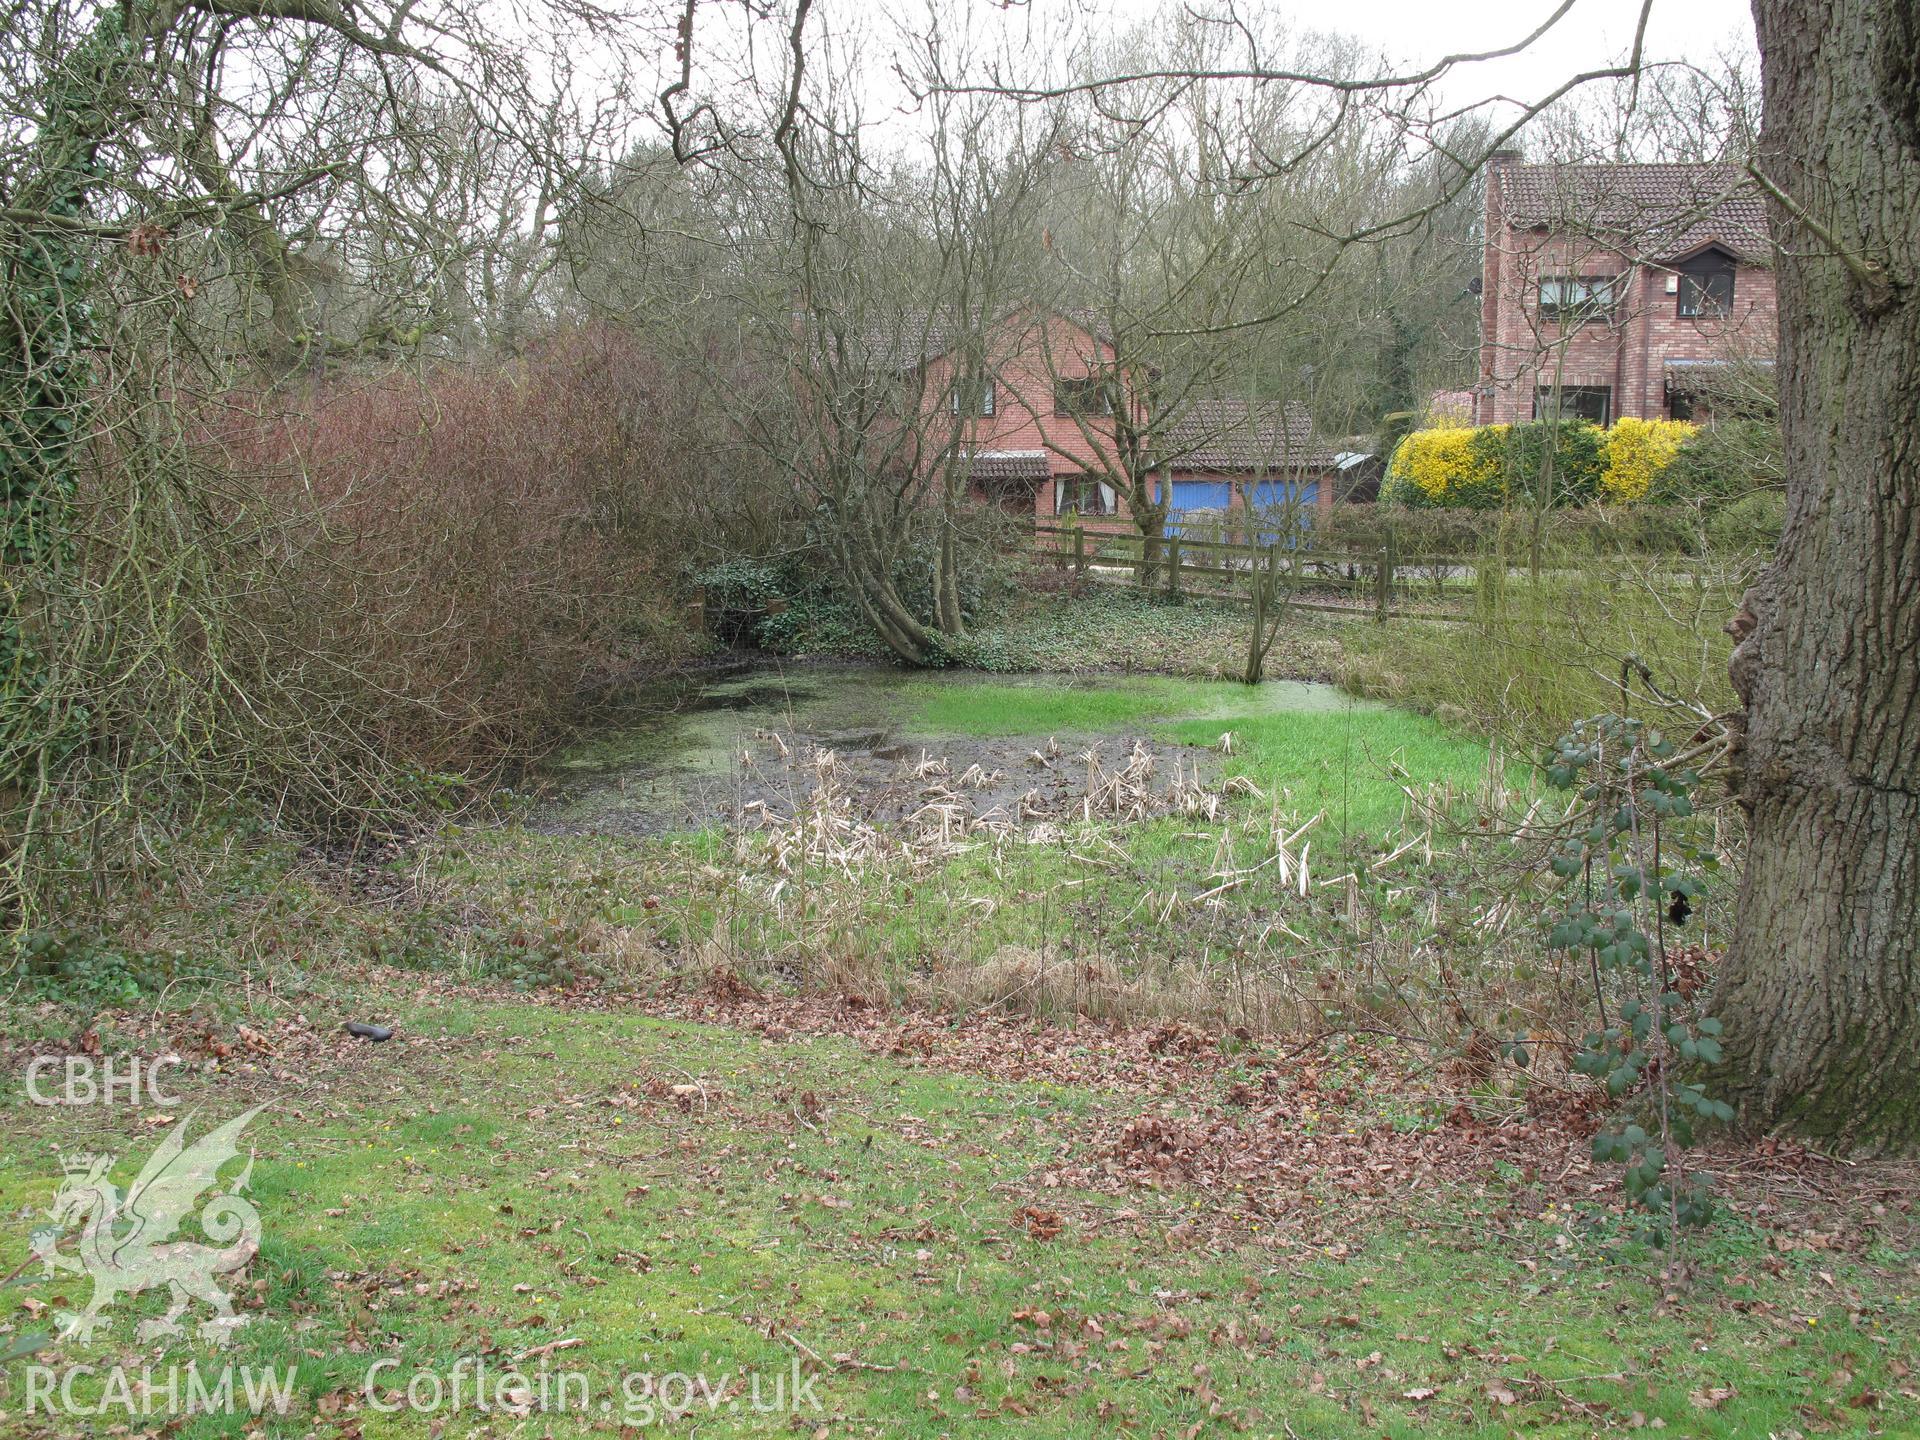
706,750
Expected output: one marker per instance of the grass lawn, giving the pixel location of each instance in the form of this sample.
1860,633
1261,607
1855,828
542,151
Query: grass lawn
931,1233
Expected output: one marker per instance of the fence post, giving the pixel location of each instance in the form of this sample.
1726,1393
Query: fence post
1079,551
1383,579
1173,564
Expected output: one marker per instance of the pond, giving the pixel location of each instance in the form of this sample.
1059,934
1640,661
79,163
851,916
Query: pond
699,752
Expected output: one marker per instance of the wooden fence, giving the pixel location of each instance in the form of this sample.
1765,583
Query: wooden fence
1380,582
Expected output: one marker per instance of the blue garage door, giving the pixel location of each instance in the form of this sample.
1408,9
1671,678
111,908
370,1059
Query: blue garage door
1191,495
1285,505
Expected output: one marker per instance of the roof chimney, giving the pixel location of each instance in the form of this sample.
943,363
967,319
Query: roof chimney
1507,156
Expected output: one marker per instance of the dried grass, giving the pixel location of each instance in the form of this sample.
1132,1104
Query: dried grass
825,833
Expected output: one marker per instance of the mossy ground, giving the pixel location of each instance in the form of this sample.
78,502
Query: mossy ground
508,1176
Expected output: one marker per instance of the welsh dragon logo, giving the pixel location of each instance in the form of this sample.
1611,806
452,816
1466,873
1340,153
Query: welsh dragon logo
127,1240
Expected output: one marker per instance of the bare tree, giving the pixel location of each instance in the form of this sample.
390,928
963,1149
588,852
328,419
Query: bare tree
1821,992
977,209
842,321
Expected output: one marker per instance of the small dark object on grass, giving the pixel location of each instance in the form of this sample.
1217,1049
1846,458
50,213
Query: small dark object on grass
369,1032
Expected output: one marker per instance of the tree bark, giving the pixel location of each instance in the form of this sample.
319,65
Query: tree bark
949,614
1150,519
868,578
1821,988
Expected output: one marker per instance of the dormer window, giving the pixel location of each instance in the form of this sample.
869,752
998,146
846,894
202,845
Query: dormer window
1706,285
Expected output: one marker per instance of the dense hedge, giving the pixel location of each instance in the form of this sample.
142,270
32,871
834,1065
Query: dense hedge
1427,536
1565,462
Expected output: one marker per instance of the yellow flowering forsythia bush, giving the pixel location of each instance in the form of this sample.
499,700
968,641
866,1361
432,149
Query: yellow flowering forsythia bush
1637,451
1458,465
1448,458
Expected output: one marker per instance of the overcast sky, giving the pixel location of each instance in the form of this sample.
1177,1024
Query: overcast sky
1031,41
1595,31
1035,42
1424,30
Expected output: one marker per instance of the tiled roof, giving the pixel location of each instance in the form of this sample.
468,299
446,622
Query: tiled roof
910,338
1227,434
1009,465
1664,212
913,337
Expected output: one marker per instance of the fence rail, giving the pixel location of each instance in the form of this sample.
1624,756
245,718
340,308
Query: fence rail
1379,582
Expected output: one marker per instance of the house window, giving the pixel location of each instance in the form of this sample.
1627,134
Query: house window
1592,403
1081,495
1083,395
1706,286
970,399
1572,299
1681,405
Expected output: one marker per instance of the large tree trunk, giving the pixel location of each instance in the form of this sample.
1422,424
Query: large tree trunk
1821,990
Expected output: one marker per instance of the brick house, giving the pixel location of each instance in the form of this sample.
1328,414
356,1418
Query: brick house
1039,417
1037,428
1620,290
